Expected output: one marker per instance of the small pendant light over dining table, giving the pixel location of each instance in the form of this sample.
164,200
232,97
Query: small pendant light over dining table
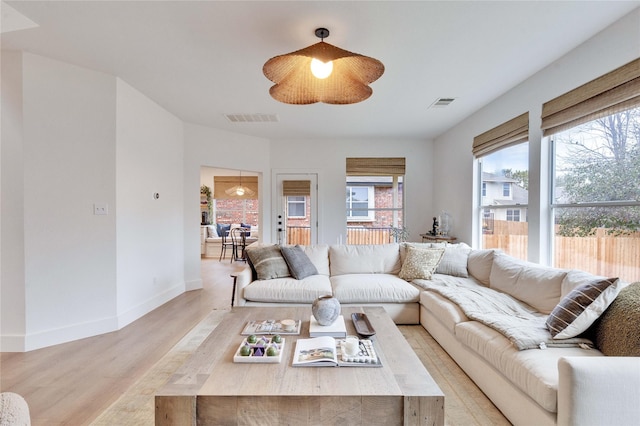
322,73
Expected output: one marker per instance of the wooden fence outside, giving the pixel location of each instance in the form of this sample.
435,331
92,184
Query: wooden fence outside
600,254
302,235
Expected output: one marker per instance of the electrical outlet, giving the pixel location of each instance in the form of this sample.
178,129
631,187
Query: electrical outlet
100,209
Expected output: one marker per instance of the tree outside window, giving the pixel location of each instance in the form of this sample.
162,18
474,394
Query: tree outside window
596,199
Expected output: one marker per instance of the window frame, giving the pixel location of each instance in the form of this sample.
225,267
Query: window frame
371,203
297,202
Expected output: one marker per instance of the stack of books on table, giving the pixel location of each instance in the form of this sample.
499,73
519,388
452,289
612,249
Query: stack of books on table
338,329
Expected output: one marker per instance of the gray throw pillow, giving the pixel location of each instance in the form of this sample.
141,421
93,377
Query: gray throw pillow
268,262
454,262
299,263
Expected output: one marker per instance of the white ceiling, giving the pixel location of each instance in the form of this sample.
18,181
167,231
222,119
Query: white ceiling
203,59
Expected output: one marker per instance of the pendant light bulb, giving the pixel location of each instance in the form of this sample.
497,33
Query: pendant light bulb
321,69
240,191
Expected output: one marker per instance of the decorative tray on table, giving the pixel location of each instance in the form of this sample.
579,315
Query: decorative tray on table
262,350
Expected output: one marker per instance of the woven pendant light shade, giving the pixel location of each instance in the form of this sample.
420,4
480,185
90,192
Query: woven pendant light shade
347,84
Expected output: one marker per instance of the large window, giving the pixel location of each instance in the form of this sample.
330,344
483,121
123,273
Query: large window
594,133
502,155
505,195
230,211
374,200
596,196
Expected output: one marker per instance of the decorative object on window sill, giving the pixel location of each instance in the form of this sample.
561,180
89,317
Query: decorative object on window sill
435,229
239,190
446,223
400,234
322,73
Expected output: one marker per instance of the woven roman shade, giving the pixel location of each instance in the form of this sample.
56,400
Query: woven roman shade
293,188
377,166
613,92
510,133
222,183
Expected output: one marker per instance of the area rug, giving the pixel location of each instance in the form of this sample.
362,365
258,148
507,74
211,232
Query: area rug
137,405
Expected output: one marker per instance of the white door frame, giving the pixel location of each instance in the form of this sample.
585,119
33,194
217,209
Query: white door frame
279,213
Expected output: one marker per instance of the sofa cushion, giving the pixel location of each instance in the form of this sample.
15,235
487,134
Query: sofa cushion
479,264
454,261
299,263
579,309
535,285
247,227
576,278
447,312
222,229
364,259
268,262
404,246
420,263
533,371
319,256
373,288
288,290
617,332
212,231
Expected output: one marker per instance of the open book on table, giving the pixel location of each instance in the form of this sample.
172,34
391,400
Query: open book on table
327,351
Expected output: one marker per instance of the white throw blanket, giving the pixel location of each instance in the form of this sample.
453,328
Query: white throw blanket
520,323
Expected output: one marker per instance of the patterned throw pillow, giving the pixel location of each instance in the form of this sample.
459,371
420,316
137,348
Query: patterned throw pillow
420,263
582,307
299,263
268,262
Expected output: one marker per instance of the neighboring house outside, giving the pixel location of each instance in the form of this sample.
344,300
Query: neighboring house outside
369,192
498,190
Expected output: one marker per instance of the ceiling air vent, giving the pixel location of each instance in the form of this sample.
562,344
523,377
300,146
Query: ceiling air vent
442,102
252,118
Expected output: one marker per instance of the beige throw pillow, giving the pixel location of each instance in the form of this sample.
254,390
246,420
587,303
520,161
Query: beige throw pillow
420,263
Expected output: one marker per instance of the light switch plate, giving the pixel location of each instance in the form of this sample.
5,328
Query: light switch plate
100,209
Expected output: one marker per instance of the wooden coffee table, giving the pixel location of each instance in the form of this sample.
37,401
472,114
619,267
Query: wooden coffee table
211,389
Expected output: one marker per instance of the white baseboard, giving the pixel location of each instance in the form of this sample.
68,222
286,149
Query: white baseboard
57,336
193,285
42,339
149,305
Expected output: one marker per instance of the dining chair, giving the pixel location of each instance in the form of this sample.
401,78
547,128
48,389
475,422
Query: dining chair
226,242
239,242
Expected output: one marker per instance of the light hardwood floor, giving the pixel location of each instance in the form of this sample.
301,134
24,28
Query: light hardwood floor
72,383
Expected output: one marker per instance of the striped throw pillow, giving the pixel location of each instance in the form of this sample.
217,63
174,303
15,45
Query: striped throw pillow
581,307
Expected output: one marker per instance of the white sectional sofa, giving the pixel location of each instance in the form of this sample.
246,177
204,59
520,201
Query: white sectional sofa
355,274
531,377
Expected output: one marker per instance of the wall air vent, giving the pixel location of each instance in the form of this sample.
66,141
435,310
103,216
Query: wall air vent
252,118
442,102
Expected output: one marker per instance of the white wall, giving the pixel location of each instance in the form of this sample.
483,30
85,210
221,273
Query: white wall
328,158
69,164
149,159
204,146
12,301
613,47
